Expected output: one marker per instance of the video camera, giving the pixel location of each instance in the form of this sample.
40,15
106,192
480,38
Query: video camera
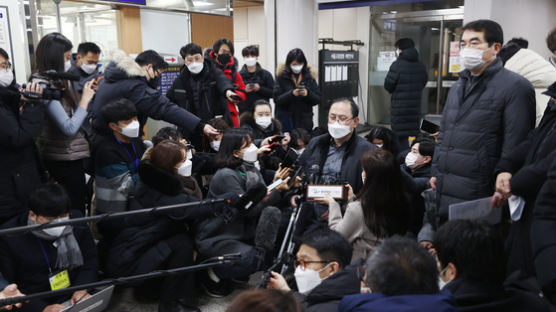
52,83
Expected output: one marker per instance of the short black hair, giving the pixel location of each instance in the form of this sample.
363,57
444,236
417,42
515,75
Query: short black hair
399,266
118,110
250,50
260,102
386,135
4,54
508,51
216,46
521,42
551,40
354,107
50,200
330,245
426,144
166,133
190,49
296,55
232,140
87,47
404,43
299,134
493,31
151,57
474,247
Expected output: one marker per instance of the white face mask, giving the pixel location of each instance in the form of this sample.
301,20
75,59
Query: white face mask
185,169
411,160
338,131
472,59
215,145
89,68
6,77
307,279
263,122
441,282
195,67
67,65
56,231
296,69
366,290
131,130
379,145
299,151
250,61
251,153
363,177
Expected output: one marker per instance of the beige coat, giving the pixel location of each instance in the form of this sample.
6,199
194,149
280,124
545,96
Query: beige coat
352,226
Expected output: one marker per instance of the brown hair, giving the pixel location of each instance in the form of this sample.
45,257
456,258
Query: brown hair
551,40
267,300
167,154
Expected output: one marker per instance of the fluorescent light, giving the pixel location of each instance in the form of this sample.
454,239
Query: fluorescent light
202,3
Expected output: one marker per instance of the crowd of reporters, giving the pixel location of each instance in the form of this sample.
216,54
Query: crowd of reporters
73,144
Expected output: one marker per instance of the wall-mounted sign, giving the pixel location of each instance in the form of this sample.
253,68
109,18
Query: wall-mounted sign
5,38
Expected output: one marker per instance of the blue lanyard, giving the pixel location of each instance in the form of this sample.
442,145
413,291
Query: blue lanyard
134,151
45,256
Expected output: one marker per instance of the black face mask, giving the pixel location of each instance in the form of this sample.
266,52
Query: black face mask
224,59
153,83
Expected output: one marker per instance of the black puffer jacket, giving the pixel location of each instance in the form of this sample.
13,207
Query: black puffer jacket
405,80
140,247
204,94
123,78
264,78
543,234
326,296
483,120
19,161
295,111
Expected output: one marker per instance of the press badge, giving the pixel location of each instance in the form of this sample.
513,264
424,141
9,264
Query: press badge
59,280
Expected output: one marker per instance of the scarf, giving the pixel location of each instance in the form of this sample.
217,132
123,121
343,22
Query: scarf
68,252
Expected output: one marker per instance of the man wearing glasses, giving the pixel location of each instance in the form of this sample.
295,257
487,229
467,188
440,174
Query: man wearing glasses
337,155
320,272
489,111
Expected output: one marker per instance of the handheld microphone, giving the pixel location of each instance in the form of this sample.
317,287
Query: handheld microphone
253,196
313,177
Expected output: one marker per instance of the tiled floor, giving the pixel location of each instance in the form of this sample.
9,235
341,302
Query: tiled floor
123,300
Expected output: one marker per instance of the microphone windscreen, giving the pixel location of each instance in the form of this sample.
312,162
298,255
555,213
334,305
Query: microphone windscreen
267,229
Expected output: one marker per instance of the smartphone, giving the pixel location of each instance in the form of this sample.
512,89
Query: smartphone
429,127
277,139
290,158
300,86
236,97
274,185
294,176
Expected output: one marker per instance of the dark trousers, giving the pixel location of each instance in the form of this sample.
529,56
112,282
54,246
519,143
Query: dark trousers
176,286
71,175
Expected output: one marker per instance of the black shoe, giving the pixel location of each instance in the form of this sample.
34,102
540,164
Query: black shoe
241,280
215,289
176,306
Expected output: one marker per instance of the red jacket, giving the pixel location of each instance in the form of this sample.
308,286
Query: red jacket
239,87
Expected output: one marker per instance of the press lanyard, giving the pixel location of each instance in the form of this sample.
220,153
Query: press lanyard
45,256
134,151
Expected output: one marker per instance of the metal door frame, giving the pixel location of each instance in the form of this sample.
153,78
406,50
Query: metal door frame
420,16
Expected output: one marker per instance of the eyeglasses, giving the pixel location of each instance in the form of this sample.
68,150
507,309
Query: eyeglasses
303,263
340,118
471,44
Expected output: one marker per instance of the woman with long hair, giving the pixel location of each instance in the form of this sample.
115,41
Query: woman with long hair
62,143
378,211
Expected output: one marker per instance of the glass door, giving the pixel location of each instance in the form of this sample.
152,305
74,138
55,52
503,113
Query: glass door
433,33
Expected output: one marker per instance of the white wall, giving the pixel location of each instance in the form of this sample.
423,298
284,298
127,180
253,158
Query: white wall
19,42
531,20
349,24
164,32
249,29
